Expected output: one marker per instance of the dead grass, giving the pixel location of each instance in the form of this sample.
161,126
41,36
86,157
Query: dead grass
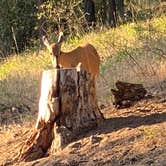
132,136
131,52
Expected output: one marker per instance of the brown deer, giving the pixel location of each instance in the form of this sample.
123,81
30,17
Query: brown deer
85,55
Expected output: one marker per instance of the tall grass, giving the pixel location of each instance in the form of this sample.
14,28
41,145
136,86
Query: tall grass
133,52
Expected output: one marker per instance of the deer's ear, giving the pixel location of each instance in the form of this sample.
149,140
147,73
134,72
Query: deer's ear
60,38
45,41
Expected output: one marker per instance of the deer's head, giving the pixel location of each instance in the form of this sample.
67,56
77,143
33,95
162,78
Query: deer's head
54,49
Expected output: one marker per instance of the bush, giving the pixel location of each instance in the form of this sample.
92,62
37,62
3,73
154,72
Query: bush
17,25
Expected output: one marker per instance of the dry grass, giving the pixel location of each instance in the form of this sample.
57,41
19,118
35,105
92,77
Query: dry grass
131,52
131,136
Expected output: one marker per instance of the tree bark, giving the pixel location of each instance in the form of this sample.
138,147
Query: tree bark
104,12
120,9
67,108
89,12
112,13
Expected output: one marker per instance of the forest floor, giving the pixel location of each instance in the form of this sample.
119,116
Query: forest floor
131,136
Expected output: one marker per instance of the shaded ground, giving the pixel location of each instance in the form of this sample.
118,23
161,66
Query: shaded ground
133,136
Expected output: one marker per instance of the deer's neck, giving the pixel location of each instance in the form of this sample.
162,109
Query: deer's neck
66,55
66,59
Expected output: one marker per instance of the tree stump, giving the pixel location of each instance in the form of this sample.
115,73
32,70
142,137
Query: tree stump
67,108
127,93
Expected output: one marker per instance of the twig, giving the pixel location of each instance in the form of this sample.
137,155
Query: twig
14,38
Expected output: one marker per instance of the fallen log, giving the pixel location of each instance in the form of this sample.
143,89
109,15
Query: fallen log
67,108
127,93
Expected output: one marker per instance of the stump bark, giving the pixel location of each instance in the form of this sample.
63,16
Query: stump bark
127,94
67,108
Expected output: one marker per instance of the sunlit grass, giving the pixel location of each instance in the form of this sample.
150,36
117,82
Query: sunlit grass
144,41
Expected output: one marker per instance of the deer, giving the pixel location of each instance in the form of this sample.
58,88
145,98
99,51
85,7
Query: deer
85,55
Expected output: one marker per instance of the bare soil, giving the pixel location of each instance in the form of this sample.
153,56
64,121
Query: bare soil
133,136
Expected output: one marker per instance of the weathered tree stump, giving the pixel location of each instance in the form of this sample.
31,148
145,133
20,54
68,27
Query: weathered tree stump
127,93
67,108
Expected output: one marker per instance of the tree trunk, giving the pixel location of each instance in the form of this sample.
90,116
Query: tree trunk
112,13
67,108
89,12
120,9
104,12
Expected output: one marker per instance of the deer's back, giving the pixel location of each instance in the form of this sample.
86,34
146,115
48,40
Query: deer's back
86,54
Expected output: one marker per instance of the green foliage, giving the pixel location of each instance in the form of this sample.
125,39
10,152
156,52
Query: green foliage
20,20
63,15
145,9
17,22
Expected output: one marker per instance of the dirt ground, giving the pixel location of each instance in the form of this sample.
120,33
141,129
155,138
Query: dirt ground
133,136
